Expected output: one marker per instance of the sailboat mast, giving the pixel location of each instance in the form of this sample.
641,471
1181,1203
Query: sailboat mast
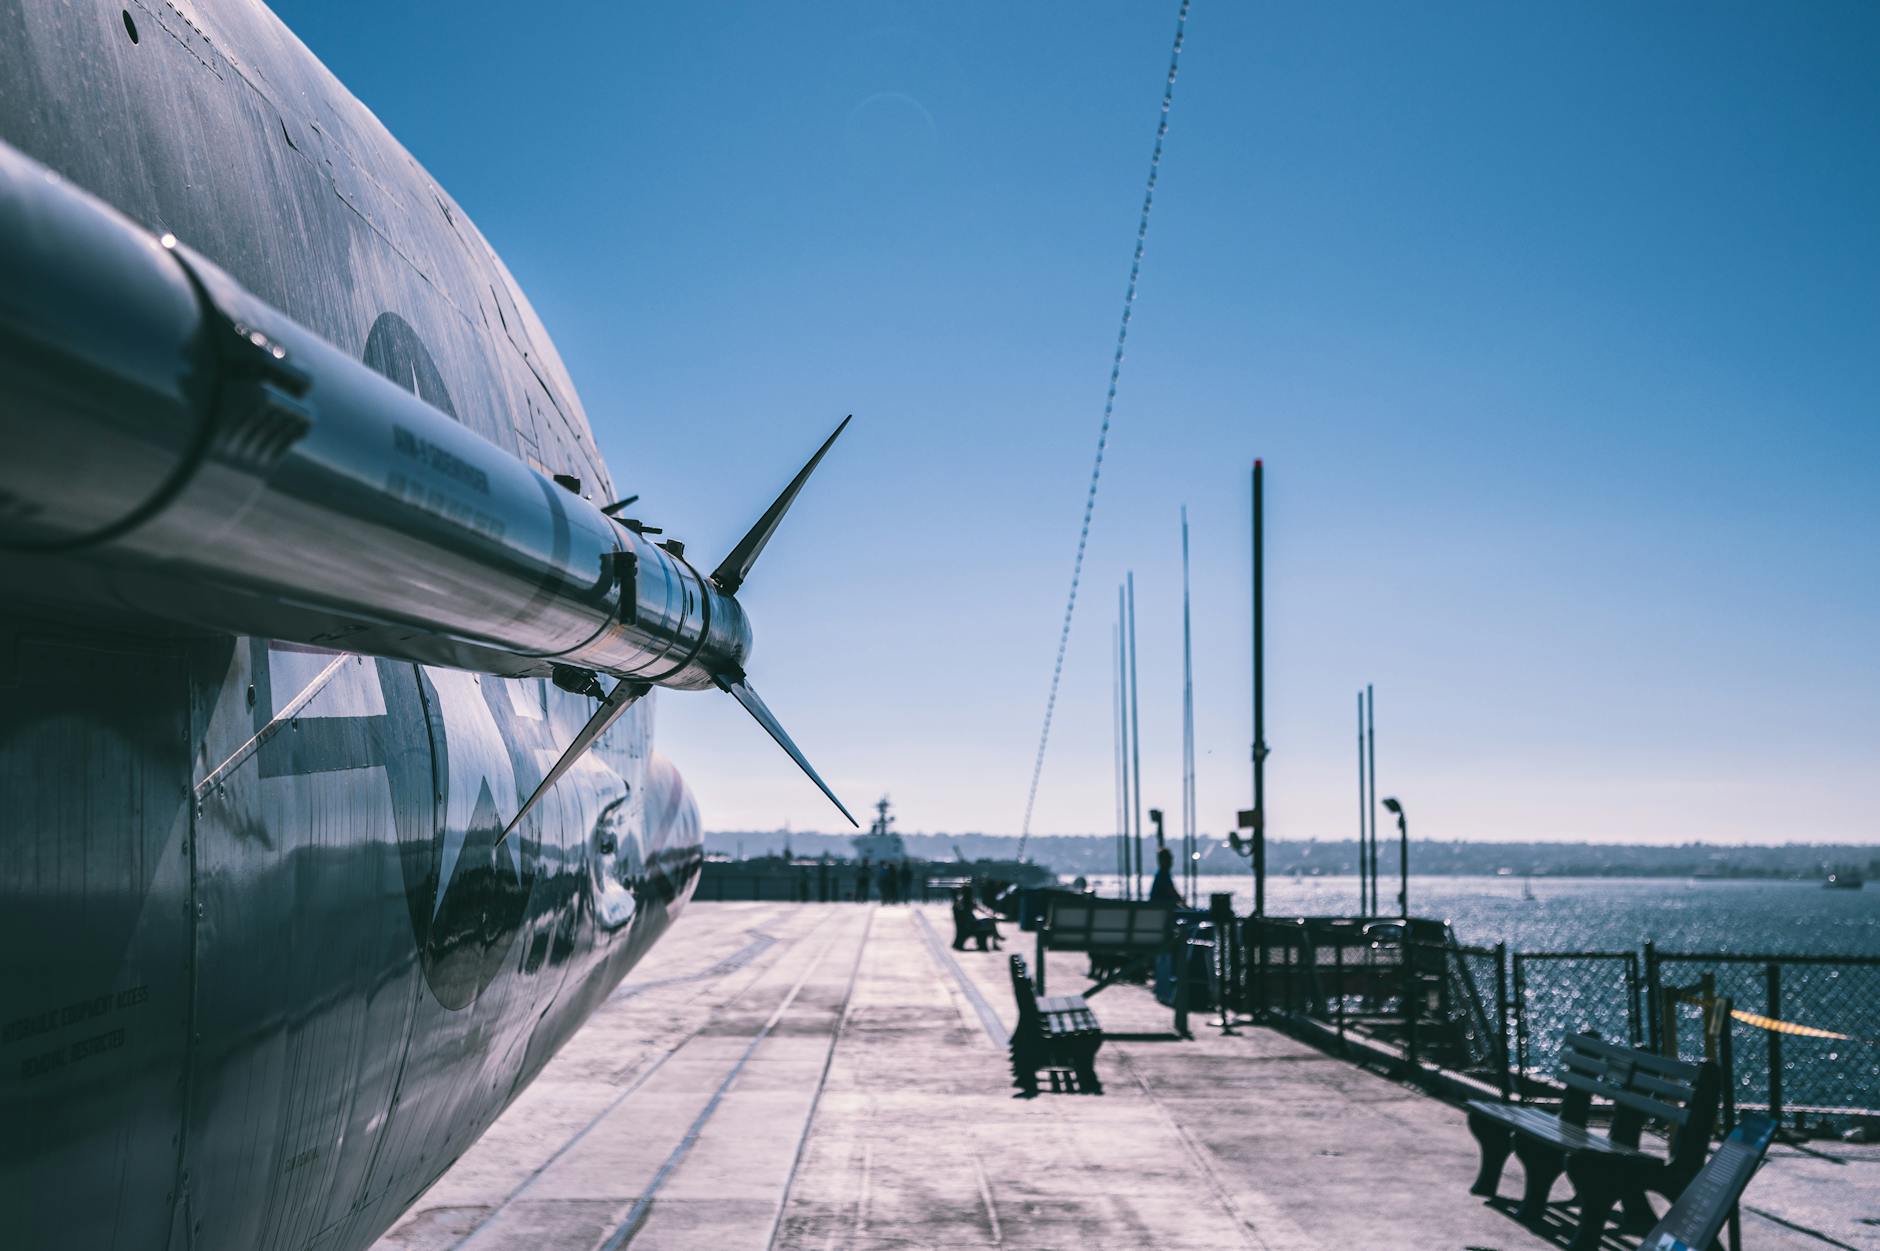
1122,757
1135,734
1188,727
1121,804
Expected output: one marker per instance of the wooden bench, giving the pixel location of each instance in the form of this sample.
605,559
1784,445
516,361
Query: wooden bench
1121,936
1060,1032
1613,1167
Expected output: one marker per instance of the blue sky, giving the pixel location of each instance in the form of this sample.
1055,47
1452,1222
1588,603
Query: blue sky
1558,329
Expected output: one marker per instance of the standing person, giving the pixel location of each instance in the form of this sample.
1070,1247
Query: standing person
861,881
888,891
907,881
1162,889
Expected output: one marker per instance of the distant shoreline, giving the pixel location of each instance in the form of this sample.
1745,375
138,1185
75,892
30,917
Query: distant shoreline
1091,854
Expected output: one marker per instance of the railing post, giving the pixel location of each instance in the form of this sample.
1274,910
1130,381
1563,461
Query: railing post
1501,1016
1264,999
1631,980
1038,979
1726,1062
1338,982
1520,1021
1654,996
1774,1012
1410,996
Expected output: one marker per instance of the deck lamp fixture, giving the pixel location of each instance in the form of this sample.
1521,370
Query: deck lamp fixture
1403,856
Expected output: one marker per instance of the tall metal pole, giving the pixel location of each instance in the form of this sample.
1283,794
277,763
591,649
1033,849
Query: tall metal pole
1116,738
1188,727
1370,700
1135,731
1403,867
1122,683
1364,888
1259,705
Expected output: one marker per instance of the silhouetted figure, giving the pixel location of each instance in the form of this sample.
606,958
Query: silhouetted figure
890,884
861,881
907,881
970,923
1162,889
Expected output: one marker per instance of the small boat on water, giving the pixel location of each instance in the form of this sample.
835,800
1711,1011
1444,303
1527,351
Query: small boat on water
1844,879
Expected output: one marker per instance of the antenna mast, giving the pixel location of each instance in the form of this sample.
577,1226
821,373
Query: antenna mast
1189,871
1135,734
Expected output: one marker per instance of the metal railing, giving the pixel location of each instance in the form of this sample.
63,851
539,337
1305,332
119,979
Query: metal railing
1806,1028
1559,992
1803,1034
813,882
1413,988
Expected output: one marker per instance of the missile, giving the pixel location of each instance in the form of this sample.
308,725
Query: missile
178,450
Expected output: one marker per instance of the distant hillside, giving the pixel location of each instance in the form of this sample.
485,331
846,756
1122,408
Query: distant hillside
1096,853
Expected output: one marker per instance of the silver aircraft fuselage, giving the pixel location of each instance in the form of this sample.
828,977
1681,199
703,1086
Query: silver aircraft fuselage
266,966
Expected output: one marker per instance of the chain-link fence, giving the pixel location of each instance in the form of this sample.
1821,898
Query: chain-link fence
1556,993
1805,1030
1476,1009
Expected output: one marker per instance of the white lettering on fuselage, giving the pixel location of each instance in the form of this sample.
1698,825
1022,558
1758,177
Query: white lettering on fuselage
478,758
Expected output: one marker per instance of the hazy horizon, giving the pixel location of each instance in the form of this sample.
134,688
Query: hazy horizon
1388,839
1555,327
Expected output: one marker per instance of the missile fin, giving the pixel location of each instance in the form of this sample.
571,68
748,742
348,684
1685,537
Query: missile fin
736,567
625,693
735,685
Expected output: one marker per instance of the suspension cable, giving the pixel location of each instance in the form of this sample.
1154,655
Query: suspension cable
1103,431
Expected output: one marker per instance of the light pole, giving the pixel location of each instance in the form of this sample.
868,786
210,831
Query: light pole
1403,857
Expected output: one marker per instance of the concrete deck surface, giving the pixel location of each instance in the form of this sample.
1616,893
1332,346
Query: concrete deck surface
832,1076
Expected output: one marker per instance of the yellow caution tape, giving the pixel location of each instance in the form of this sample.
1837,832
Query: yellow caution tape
1789,1027
1771,1023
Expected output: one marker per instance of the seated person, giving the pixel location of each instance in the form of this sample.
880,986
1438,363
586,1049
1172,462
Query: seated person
970,922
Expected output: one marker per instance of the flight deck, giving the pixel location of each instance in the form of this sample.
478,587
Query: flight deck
835,1076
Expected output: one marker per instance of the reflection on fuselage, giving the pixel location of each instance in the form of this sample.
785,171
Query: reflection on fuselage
265,970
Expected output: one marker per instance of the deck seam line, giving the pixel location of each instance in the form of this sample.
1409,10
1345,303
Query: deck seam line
635,1219
809,1121
1800,1229
995,1028
985,1195
1293,1238
639,1079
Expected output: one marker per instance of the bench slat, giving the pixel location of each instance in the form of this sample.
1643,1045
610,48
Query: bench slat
1664,1066
1680,1091
1628,1097
1551,1129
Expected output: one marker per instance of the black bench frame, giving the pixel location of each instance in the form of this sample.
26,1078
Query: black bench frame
1611,1168
1060,1032
1121,936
